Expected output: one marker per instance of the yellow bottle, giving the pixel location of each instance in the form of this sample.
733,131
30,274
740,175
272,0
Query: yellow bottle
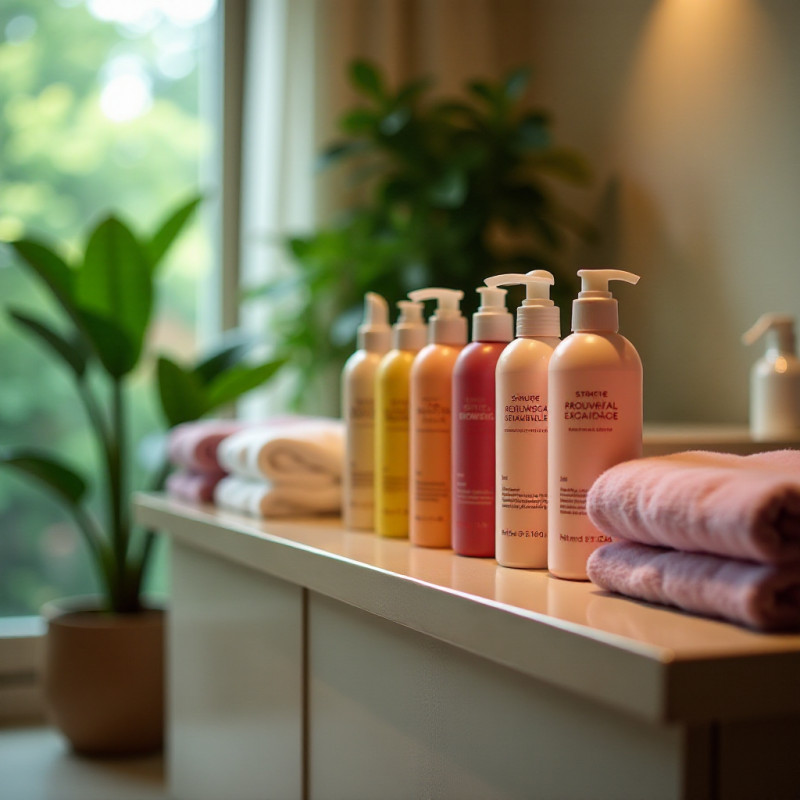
391,422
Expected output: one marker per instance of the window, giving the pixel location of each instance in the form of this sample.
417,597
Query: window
102,106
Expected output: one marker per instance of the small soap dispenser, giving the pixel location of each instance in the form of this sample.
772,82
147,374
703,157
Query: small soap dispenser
774,380
358,409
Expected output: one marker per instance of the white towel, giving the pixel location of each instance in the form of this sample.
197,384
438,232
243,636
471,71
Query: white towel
260,498
307,454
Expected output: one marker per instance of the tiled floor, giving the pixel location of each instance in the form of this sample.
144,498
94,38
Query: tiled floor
36,764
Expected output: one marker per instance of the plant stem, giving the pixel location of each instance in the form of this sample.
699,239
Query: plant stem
116,487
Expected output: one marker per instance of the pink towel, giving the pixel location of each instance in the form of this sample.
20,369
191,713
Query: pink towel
760,596
193,445
193,487
745,507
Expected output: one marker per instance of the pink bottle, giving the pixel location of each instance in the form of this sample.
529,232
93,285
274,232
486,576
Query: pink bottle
473,478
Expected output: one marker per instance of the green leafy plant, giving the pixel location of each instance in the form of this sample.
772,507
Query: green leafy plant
106,296
444,192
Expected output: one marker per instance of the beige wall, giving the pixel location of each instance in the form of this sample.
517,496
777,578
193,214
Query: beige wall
690,112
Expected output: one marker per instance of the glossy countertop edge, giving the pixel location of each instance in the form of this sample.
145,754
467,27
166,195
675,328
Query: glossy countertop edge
649,661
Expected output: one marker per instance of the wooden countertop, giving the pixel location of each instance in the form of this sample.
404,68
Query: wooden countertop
652,662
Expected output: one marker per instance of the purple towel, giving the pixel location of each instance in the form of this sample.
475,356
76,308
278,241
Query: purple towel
745,507
760,596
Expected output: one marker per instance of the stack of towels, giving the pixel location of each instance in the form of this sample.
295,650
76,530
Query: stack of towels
192,448
284,466
711,533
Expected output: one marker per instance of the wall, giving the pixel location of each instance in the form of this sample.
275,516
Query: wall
688,109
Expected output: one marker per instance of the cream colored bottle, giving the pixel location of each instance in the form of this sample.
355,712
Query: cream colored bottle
521,425
358,408
594,419
392,422
431,424
775,381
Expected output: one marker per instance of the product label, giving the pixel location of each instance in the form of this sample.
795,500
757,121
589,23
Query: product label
522,469
598,424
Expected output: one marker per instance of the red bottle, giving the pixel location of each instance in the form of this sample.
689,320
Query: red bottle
473,443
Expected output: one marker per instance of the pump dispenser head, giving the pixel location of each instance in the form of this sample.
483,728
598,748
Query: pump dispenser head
779,329
595,309
410,330
538,316
447,324
492,322
374,333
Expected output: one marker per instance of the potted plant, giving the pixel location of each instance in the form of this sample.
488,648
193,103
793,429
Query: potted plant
104,655
442,192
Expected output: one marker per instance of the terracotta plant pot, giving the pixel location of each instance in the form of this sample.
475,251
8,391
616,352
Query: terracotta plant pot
104,677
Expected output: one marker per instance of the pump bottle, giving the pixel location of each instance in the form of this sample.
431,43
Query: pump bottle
392,420
521,425
774,380
431,398
358,408
473,472
595,418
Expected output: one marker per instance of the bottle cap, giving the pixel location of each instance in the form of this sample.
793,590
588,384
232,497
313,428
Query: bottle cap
447,324
595,309
537,317
779,329
492,322
410,330
374,333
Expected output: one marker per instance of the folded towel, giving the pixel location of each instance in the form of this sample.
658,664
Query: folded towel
745,507
193,487
761,596
304,454
263,499
193,445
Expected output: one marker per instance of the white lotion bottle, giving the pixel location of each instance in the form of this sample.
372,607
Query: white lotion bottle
521,387
595,418
358,408
775,380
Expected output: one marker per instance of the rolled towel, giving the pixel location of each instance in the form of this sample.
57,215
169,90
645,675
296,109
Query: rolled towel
761,596
744,507
304,454
193,487
193,445
262,499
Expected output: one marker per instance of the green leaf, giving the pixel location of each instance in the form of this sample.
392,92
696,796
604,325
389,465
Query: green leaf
66,484
358,121
365,76
339,151
114,281
169,230
395,121
239,380
181,392
450,190
224,357
117,352
71,353
50,268
516,82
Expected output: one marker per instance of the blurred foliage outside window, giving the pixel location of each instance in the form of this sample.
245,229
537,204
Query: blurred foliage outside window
99,110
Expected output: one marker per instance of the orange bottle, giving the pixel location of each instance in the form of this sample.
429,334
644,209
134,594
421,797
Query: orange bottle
430,429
